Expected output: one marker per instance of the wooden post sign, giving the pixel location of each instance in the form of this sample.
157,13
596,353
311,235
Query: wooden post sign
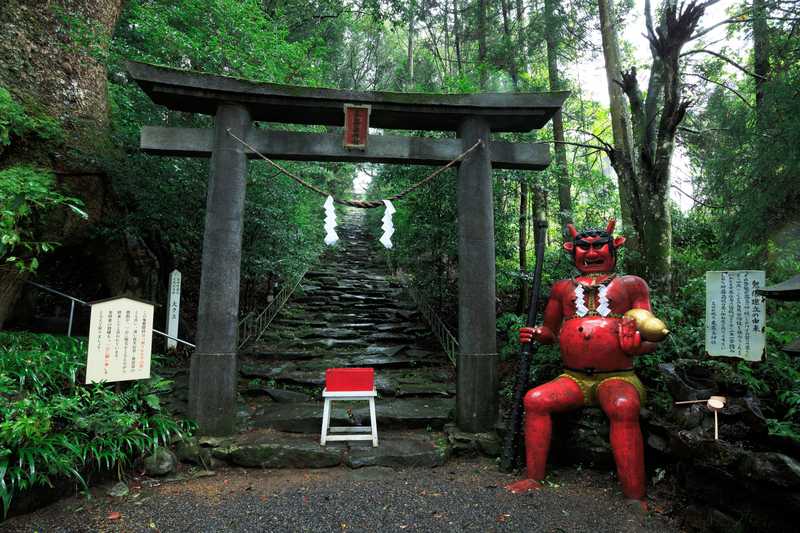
173,308
735,314
120,340
356,126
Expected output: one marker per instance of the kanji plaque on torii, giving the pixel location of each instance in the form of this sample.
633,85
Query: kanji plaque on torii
356,126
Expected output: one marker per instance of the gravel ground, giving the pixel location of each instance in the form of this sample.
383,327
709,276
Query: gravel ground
464,495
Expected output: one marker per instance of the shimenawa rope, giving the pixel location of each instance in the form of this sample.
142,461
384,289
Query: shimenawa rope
363,204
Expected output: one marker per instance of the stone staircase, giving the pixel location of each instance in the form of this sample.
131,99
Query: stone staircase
348,312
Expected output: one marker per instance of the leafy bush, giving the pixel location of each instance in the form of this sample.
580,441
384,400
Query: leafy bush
55,428
26,191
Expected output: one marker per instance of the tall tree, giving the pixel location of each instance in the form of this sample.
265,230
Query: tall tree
411,14
552,38
51,58
622,148
760,52
483,68
643,166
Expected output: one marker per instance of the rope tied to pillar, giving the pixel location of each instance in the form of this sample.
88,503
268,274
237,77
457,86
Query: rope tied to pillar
361,204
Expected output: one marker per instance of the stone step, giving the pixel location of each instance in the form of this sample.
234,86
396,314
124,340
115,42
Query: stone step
393,378
391,414
263,351
327,343
265,448
329,333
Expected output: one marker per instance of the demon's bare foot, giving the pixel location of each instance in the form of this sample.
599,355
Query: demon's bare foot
524,485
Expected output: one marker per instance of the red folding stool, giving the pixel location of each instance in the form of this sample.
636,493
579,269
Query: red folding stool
349,384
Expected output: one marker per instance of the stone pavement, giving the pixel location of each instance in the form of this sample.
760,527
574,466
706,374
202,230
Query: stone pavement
465,495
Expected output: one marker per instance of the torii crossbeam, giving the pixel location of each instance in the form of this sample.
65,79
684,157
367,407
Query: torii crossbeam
237,103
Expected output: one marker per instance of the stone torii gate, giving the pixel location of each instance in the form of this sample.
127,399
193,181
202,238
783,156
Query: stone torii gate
237,103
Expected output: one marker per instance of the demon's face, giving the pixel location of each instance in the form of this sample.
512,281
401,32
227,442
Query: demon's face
594,250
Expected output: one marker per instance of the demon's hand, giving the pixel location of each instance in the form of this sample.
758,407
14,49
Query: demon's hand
539,333
630,340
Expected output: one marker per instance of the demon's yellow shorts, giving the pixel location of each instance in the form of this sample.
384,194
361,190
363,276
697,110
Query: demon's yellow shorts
590,382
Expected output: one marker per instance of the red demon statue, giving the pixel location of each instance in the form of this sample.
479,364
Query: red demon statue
598,344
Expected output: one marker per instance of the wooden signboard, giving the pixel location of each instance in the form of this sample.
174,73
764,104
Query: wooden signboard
120,340
735,314
356,126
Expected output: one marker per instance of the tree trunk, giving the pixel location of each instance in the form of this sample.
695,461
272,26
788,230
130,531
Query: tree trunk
644,169
511,58
552,34
39,64
657,240
622,158
410,55
447,57
760,53
11,283
482,67
457,37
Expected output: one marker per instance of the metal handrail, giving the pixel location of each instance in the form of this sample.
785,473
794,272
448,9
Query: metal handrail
443,335
71,303
73,300
253,327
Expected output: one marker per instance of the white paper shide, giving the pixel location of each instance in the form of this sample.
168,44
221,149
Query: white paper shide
120,340
330,222
388,225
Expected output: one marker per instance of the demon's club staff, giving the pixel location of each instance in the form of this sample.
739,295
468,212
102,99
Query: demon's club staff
601,321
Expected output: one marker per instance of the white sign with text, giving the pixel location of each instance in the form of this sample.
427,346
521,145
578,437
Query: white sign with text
173,308
735,314
120,340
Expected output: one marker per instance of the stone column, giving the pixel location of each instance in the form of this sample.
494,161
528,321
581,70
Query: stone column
476,393
212,378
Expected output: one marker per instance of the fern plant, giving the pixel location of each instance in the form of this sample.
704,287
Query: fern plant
54,428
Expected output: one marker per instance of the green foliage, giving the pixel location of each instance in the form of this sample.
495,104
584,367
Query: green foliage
425,239
26,193
508,325
55,428
166,197
16,122
233,37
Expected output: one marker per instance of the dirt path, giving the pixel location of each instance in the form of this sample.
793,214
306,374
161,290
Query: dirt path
464,495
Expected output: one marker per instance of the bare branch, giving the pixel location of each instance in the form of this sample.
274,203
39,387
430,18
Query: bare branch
724,58
580,145
736,19
724,86
598,139
695,200
648,17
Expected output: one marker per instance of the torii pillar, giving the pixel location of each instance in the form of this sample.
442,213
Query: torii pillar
236,103
476,387
213,371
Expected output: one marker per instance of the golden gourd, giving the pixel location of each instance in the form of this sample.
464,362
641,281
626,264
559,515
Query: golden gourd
650,327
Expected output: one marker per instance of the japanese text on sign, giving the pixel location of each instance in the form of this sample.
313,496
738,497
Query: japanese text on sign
120,341
735,314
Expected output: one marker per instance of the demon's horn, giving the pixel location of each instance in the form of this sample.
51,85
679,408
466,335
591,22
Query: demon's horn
611,224
572,231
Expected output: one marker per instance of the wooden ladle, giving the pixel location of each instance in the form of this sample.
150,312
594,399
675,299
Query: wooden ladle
715,404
